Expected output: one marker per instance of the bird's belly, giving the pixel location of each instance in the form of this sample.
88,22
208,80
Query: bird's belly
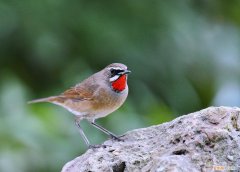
99,113
77,108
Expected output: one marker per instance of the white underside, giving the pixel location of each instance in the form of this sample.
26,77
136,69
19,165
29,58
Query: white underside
70,110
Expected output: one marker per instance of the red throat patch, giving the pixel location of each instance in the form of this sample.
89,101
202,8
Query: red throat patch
120,84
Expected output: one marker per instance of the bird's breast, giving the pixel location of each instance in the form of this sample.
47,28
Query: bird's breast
108,101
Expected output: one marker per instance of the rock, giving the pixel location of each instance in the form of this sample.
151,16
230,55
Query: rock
202,141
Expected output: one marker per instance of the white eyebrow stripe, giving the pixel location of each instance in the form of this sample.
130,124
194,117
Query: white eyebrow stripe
114,78
116,68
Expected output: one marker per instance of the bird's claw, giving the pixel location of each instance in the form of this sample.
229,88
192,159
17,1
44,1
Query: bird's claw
96,146
116,138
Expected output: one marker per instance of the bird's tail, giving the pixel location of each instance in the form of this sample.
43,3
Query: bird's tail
47,99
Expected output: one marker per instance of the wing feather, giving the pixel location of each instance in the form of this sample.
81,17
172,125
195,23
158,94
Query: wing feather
82,91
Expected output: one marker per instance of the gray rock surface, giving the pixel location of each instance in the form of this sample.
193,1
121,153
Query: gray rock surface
207,140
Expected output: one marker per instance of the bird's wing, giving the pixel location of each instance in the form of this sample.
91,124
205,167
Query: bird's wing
82,91
75,93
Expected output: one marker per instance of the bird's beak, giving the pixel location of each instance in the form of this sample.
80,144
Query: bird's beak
125,72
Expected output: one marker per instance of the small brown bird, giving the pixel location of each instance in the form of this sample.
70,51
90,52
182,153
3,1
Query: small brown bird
95,97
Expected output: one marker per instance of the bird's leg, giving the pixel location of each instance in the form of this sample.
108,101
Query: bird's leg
113,136
77,122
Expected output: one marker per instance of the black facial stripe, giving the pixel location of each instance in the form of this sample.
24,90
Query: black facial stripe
115,72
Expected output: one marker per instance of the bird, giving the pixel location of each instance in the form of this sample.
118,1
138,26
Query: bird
95,97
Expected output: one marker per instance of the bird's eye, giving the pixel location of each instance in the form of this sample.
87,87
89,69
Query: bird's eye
115,72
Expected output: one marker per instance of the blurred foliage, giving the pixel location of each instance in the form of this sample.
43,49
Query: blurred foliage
184,56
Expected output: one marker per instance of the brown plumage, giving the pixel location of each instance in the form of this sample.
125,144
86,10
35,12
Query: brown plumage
95,97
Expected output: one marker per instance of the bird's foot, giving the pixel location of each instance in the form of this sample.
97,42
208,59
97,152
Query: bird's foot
117,138
96,146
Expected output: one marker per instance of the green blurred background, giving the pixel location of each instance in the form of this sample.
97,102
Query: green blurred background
184,56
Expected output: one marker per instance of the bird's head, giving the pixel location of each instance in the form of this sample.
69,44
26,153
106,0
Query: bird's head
117,76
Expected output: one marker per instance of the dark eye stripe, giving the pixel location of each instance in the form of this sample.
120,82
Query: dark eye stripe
115,72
